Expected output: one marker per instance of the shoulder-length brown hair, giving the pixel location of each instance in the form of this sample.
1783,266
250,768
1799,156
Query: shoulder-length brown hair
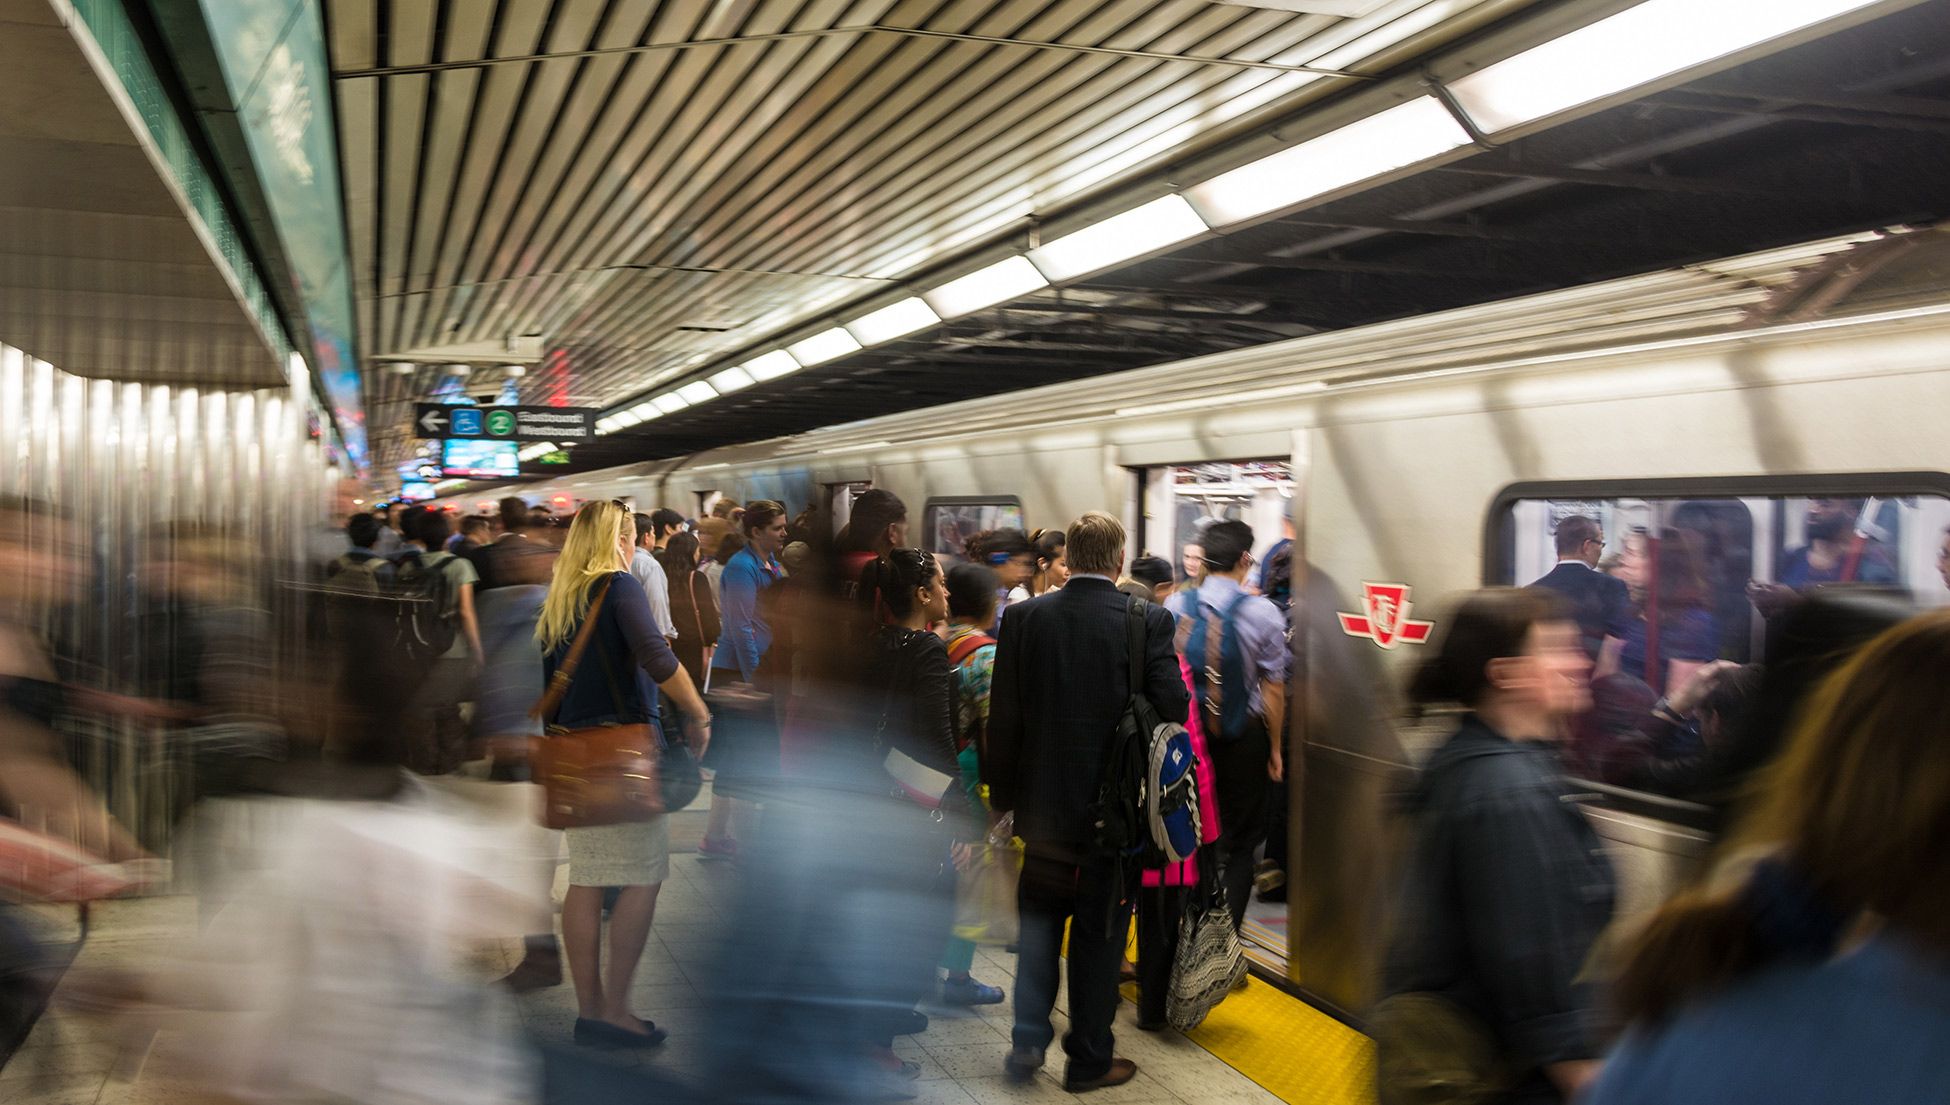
1855,814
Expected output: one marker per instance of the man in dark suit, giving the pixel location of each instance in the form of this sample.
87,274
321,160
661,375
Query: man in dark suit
1060,686
1601,604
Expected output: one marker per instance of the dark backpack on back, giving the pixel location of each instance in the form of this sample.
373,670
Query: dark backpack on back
425,630
1149,787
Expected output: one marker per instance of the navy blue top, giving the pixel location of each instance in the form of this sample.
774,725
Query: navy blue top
1690,635
638,658
1866,1026
1872,567
1601,604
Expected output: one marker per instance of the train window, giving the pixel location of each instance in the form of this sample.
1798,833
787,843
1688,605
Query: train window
947,524
1186,498
1702,573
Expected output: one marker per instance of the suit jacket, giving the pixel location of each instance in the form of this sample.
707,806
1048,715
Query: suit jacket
1060,685
1602,605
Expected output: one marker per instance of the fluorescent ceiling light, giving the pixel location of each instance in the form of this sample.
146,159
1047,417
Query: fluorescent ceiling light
1634,47
771,366
823,346
625,419
894,321
732,379
670,402
856,448
697,391
1165,221
1402,135
645,410
1010,278
605,425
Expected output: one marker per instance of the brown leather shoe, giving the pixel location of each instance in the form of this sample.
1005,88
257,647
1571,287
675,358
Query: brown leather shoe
1120,1072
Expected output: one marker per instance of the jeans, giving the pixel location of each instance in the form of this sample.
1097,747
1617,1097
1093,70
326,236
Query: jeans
1058,885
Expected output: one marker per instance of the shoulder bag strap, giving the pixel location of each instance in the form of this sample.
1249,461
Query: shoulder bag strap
697,612
558,684
1134,622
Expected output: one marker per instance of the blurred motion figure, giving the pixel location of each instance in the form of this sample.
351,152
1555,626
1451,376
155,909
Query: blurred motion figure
1821,973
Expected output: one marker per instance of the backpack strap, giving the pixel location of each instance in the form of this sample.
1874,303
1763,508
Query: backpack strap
558,684
968,646
1135,612
1214,660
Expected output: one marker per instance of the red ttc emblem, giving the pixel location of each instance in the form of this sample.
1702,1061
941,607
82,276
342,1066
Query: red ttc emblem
1386,622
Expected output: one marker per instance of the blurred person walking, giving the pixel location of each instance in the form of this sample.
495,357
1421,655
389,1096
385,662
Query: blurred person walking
1817,968
519,556
1059,692
451,633
908,674
1507,887
361,568
746,754
613,685
972,598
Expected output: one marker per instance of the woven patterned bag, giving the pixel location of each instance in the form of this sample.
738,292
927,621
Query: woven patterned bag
1210,960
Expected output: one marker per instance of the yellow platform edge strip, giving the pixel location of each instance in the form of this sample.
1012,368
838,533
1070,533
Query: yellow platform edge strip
1292,1050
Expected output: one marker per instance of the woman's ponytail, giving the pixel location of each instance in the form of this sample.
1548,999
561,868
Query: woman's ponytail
1701,941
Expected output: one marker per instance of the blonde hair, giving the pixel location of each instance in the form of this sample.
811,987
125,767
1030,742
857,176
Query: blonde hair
1095,544
1856,808
590,553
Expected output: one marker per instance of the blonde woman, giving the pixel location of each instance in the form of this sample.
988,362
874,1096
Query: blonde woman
612,684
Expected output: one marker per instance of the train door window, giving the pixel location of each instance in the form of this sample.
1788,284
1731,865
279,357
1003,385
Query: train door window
840,498
705,501
1181,500
1701,576
947,524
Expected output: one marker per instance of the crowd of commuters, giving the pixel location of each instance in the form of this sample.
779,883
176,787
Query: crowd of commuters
883,725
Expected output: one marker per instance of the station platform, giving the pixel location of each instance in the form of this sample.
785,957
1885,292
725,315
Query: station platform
1260,1046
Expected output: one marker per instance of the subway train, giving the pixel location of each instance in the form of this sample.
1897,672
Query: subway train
1416,459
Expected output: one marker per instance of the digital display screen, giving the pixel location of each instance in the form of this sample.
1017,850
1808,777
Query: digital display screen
475,459
416,491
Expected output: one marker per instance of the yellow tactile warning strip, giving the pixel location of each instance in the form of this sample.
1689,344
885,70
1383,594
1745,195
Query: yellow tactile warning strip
1295,1051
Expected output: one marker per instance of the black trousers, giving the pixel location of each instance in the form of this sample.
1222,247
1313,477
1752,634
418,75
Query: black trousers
1058,885
1159,910
1239,767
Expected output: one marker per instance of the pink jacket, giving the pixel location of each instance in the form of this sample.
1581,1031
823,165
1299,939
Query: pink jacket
1185,872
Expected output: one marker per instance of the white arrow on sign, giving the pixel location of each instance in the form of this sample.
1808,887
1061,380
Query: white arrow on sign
433,422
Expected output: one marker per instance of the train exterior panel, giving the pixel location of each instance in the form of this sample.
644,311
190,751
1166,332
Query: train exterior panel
1399,442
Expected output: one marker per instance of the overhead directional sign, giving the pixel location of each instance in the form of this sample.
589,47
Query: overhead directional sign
558,424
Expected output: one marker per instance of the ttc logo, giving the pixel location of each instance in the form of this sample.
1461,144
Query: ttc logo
1386,621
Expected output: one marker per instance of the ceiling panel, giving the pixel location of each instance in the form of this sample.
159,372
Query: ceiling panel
642,185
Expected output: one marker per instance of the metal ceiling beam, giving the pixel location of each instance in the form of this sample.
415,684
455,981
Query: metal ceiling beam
1919,107
1432,228
1606,178
822,32
1317,264
1850,117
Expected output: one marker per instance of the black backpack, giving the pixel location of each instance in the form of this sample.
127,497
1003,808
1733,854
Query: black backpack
1120,818
425,631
